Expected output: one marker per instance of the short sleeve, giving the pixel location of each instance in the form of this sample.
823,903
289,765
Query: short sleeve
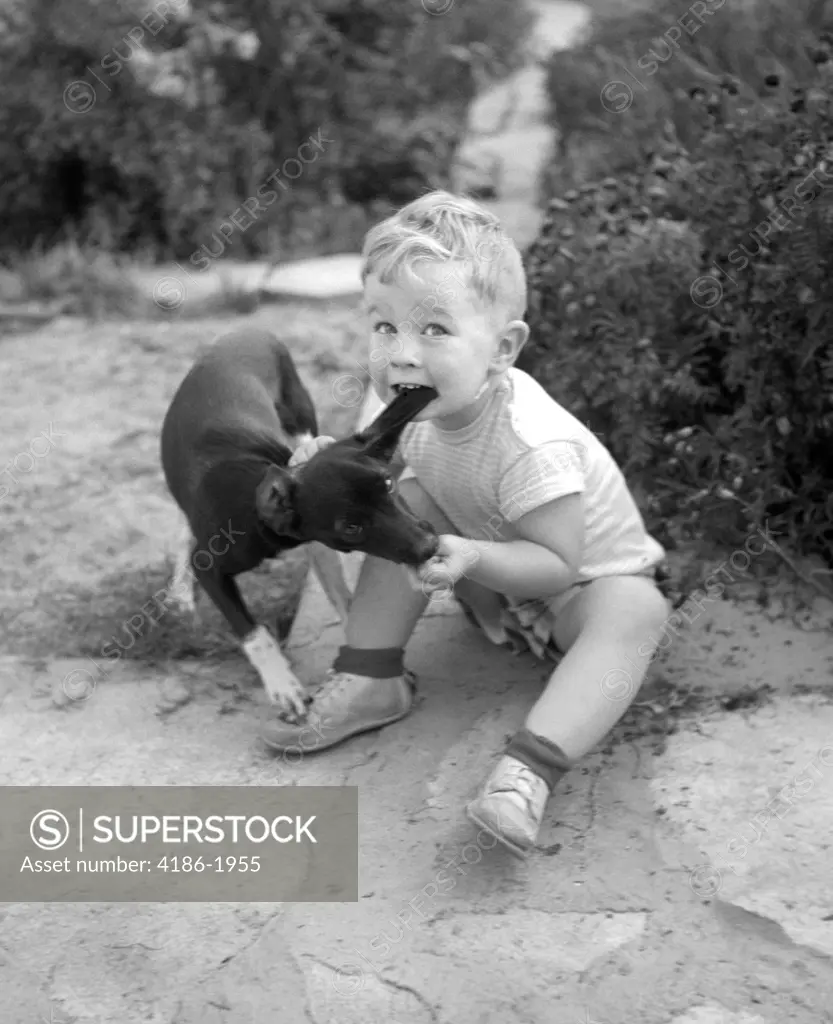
548,472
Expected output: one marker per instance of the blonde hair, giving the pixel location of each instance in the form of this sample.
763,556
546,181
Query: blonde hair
441,227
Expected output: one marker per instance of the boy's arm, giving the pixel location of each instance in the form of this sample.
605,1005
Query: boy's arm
541,496
545,559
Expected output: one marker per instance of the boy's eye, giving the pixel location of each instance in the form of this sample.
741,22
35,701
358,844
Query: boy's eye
381,327
438,327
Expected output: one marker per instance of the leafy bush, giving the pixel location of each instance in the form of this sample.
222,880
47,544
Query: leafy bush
92,283
125,129
681,310
624,86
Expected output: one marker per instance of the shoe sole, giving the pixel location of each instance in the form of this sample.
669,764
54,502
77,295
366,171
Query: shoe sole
339,739
521,852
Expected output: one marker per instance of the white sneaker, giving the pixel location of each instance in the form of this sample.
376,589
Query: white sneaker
511,805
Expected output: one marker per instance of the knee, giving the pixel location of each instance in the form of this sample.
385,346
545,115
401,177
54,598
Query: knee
651,627
635,610
648,615
654,610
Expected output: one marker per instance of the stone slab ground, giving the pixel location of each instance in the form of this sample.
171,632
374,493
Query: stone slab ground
645,904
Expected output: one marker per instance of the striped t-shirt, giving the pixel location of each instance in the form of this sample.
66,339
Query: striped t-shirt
522,451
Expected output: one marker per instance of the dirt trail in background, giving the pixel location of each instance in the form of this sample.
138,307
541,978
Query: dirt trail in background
510,138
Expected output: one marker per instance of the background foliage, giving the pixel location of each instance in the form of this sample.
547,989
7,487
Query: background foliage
194,110
681,303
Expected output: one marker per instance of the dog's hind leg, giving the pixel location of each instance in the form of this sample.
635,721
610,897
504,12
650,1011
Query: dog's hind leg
182,583
329,569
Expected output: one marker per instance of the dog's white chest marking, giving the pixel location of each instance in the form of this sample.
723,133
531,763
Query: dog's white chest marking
265,655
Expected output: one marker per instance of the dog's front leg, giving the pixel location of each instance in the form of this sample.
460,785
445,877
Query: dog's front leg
263,651
282,686
329,569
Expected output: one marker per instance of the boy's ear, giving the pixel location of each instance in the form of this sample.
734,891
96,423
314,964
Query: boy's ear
514,337
275,501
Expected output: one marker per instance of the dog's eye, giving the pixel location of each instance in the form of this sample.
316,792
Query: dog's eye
351,529
390,483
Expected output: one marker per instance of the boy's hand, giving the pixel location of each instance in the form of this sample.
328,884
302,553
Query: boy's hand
304,452
455,557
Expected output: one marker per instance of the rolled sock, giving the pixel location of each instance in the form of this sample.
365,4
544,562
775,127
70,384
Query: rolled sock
542,756
379,663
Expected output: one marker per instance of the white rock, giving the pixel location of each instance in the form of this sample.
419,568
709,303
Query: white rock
714,1014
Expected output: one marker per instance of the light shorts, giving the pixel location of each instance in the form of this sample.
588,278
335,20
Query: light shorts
530,625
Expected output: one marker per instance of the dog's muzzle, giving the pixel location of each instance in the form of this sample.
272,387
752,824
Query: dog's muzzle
431,544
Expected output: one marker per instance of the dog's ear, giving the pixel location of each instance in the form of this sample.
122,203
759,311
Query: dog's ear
275,500
382,436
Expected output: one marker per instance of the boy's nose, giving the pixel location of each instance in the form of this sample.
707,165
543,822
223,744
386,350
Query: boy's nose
406,352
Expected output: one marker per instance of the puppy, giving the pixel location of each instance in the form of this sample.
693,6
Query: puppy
226,440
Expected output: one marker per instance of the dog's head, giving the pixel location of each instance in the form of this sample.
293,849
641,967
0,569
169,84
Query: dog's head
344,496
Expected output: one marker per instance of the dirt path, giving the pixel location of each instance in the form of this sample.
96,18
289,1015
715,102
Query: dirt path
510,137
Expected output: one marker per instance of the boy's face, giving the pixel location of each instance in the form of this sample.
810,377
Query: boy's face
434,332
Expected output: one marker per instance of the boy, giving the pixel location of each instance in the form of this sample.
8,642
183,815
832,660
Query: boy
540,536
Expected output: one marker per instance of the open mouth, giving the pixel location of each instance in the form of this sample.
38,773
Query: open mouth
400,389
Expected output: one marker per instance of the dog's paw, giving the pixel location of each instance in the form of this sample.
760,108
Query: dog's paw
282,686
289,697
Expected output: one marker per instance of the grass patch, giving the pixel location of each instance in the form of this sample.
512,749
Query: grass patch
120,614
91,282
98,285
104,498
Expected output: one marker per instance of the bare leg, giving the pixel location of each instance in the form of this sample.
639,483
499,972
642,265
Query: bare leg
329,568
386,606
374,615
485,607
357,698
610,631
